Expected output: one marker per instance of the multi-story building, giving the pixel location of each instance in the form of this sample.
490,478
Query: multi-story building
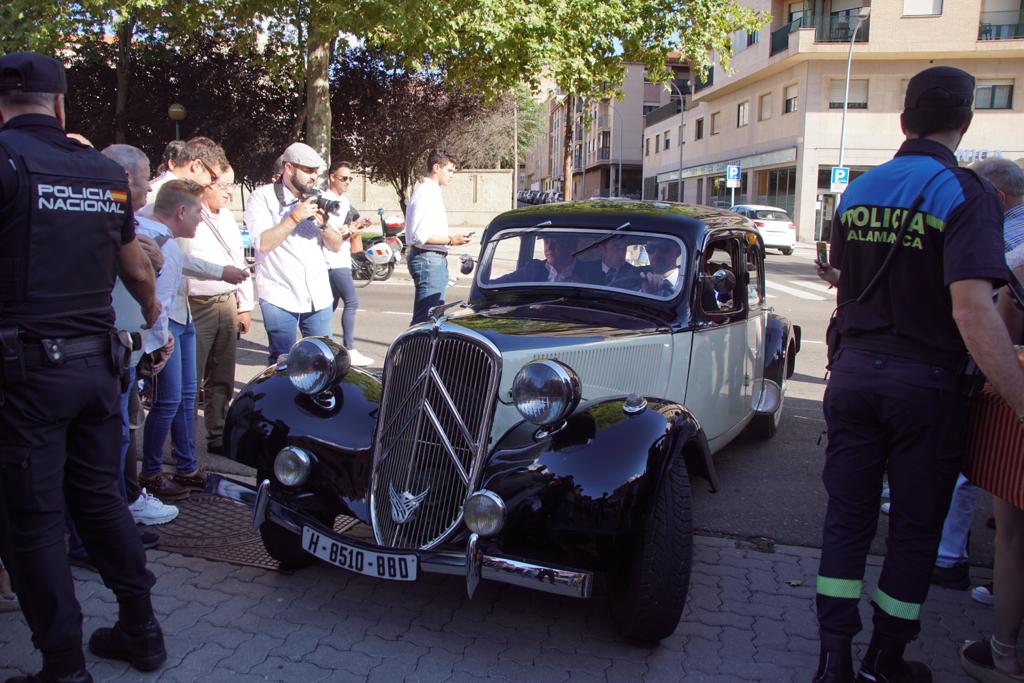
607,149
779,114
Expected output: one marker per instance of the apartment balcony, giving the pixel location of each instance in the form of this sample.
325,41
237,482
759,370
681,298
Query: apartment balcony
1006,25
662,113
604,153
837,27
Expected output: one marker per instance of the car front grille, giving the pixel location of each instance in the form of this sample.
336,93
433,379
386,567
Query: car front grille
439,393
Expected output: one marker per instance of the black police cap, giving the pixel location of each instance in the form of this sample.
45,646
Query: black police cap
940,87
31,72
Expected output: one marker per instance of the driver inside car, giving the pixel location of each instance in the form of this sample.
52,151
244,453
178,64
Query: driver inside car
662,276
559,264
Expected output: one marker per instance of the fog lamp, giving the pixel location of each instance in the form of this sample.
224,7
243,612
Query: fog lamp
484,513
292,466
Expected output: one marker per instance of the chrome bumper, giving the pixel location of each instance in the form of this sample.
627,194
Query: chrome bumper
471,564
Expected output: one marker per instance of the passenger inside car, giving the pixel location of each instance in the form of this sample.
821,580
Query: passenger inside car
558,265
662,276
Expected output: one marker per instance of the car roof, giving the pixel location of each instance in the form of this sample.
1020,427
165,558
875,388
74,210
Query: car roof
760,206
683,220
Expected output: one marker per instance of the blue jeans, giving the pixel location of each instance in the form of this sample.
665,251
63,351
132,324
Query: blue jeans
280,326
174,408
429,271
956,528
344,289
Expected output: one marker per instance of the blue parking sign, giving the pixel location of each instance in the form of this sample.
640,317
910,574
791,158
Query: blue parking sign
732,175
840,178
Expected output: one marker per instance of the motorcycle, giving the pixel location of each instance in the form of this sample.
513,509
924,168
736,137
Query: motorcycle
387,250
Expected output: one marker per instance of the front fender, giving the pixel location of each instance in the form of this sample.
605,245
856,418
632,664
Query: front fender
336,427
591,481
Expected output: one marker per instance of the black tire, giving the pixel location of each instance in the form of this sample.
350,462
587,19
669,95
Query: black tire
284,546
766,426
649,592
786,251
362,274
383,272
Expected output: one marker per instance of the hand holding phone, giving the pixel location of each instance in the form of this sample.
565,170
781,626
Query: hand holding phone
822,248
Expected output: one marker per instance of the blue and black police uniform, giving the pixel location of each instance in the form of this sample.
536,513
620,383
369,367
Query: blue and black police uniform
65,214
893,401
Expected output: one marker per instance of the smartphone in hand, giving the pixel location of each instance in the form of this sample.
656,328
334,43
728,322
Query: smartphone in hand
822,248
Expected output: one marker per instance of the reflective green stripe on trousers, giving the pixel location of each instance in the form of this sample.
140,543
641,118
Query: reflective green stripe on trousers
839,588
896,608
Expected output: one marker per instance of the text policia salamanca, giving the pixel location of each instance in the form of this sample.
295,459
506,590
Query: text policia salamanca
879,224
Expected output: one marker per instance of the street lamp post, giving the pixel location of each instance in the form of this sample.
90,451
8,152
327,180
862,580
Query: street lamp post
682,108
176,112
862,14
618,119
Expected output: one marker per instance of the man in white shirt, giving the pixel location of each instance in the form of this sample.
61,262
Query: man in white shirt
347,223
426,233
220,310
662,276
289,233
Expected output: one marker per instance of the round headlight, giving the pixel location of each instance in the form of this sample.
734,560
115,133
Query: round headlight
292,465
545,391
312,365
484,513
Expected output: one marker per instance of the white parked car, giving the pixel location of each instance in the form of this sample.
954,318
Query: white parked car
776,227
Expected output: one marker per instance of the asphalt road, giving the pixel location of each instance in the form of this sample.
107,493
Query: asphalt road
770,489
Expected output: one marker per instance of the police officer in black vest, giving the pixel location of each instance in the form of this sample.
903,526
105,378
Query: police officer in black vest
917,249
66,230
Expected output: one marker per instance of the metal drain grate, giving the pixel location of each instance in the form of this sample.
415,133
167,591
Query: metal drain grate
215,528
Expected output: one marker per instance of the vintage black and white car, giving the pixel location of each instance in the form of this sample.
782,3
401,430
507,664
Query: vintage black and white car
544,431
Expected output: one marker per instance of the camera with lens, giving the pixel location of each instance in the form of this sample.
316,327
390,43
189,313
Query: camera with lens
326,205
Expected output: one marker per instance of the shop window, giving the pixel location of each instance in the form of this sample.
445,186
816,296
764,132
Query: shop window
922,8
742,114
716,123
698,129
764,107
994,95
858,93
790,97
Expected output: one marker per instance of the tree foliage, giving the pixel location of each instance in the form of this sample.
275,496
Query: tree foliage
386,119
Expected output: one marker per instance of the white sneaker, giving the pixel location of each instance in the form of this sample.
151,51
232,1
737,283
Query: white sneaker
359,360
148,509
886,506
984,594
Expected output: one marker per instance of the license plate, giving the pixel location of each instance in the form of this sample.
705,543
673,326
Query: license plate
390,566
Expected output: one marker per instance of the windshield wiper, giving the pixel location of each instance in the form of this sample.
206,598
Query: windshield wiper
518,232
604,239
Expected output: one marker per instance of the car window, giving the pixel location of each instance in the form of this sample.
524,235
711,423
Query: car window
719,284
755,287
649,265
770,215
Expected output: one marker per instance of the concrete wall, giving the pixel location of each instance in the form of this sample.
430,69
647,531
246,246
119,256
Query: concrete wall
473,198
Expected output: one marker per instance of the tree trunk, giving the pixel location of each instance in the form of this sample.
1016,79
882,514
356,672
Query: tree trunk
570,119
125,31
318,95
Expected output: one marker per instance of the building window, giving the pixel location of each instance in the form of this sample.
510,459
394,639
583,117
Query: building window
764,107
922,8
742,114
665,136
716,123
648,108
994,95
657,143
791,99
647,147
858,93
698,129
752,38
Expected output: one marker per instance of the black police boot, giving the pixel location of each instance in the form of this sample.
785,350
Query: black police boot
835,665
66,666
884,663
136,638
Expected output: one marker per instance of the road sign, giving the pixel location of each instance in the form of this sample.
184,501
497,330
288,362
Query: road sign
732,175
840,178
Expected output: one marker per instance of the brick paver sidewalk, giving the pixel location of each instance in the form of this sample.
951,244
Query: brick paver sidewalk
750,616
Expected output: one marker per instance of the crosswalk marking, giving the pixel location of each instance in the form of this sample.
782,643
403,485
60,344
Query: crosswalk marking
798,293
811,284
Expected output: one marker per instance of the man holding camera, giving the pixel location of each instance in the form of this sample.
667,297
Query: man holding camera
288,230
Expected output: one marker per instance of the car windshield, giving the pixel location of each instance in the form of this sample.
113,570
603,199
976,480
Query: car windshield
771,215
649,265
